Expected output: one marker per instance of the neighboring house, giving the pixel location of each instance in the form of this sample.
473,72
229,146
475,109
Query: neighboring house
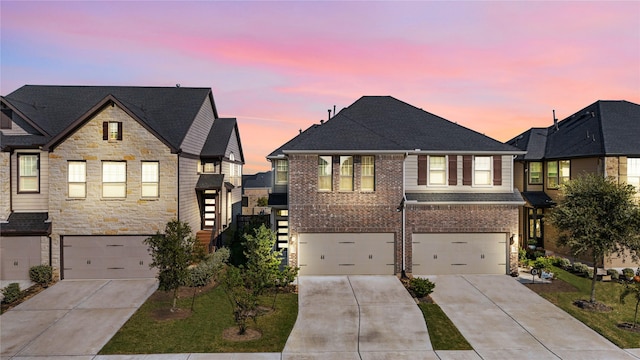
386,188
255,192
89,172
599,139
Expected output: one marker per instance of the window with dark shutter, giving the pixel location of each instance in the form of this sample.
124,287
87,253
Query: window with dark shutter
467,177
422,169
453,170
497,170
105,130
119,130
112,130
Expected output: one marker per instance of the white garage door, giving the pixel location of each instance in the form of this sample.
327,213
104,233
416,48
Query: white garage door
346,254
17,255
472,253
105,257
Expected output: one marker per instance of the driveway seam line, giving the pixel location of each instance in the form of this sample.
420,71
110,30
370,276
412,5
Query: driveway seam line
509,315
359,314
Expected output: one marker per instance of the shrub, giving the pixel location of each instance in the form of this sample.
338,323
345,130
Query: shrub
207,270
614,274
41,274
421,287
543,263
579,268
522,254
561,262
588,274
11,293
628,273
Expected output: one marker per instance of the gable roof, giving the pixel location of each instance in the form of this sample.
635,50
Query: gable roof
257,181
219,138
383,123
168,111
604,128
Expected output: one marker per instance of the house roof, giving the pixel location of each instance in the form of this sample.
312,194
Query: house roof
538,199
169,111
26,224
604,128
219,138
257,181
383,123
210,181
470,197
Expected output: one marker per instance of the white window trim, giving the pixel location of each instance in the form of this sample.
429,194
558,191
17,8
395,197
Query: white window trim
446,171
124,183
372,176
70,183
20,175
330,175
286,180
475,184
155,183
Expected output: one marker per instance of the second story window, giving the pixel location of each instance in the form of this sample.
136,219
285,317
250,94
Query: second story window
437,170
558,173
324,173
150,179
535,173
367,173
28,173
112,130
282,171
346,173
208,167
633,172
482,170
114,179
77,178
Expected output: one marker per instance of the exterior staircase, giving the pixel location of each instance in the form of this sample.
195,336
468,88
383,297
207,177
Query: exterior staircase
203,238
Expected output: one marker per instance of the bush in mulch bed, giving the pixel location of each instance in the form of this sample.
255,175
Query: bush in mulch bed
592,306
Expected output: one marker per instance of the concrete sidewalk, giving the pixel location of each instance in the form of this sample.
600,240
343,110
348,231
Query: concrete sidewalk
502,319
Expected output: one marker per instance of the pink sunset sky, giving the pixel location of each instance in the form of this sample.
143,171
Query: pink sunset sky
496,67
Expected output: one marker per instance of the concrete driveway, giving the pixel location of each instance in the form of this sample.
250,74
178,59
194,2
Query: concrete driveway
71,318
502,319
357,317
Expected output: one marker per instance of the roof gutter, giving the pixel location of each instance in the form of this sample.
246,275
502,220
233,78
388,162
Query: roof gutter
405,152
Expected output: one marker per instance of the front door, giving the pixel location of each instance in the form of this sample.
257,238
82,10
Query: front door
209,209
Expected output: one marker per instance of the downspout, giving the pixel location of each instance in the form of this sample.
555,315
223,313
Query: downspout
404,199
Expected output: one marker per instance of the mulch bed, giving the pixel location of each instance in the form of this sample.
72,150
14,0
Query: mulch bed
629,327
232,334
165,313
592,306
26,295
556,285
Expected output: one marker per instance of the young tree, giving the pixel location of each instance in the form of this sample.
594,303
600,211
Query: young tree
172,253
598,217
634,291
242,299
263,261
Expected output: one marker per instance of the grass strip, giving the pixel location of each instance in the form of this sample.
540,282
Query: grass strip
443,333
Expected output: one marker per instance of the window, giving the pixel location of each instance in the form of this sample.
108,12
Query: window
633,172
346,173
324,173
535,173
77,179
208,167
28,173
558,172
114,179
437,170
150,179
482,170
112,130
282,171
367,170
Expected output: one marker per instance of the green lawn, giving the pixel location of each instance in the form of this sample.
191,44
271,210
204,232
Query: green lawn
202,331
604,323
443,333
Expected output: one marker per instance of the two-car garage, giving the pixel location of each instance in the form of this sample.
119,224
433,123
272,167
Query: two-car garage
373,253
105,257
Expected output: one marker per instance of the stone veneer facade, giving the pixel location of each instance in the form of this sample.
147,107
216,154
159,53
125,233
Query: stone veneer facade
93,214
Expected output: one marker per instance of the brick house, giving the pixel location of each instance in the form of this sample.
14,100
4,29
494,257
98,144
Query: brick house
89,172
385,188
600,139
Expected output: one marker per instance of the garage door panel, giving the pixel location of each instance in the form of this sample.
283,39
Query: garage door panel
462,253
106,257
346,254
17,255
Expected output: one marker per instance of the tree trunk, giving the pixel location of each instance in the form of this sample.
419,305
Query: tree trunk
593,281
635,317
175,299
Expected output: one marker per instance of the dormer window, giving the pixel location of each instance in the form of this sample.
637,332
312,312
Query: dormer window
112,130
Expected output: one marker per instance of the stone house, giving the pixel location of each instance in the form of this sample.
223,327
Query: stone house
384,187
600,139
89,172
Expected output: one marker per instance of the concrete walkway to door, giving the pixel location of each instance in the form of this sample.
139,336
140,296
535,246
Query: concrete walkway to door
357,317
502,319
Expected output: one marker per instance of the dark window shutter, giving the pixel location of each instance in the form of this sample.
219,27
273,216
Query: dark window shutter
497,170
422,169
105,130
453,170
467,178
119,130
